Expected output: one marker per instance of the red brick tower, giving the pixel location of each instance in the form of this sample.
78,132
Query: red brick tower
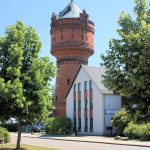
72,43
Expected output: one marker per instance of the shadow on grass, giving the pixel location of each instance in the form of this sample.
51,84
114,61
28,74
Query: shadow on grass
24,147
12,149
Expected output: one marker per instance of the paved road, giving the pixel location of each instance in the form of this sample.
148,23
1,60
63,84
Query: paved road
73,145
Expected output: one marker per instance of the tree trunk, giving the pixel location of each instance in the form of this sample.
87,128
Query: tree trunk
19,134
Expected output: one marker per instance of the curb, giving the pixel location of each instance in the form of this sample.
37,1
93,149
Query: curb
138,145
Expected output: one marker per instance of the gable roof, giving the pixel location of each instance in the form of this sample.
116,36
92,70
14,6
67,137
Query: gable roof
70,11
95,74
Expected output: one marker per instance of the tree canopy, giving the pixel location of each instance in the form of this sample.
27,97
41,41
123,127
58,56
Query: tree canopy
128,59
25,87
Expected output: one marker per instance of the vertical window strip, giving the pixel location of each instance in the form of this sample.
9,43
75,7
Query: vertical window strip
85,85
79,87
75,88
74,105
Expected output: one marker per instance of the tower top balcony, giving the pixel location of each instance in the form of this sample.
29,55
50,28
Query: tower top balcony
71,15
72,33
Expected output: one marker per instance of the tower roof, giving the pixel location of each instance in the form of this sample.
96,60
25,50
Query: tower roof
70,11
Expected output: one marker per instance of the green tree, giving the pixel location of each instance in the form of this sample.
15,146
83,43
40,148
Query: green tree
25,89
128,59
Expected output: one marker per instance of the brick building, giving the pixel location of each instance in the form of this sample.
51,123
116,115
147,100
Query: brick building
72,43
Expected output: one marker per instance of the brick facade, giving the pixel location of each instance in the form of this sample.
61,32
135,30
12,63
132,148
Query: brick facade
72,43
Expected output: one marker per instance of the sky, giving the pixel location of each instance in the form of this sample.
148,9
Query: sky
37,13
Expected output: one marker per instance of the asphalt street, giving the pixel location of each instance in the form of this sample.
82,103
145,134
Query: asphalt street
73,145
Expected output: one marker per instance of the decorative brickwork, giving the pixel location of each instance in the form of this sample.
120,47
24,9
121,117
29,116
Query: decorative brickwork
72,43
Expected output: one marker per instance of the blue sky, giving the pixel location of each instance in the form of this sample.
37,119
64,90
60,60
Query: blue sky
37,13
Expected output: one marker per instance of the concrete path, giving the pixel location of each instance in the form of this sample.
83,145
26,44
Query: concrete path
75,143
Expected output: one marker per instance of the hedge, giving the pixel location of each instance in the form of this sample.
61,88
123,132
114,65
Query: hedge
58,126
10,127
4,134
136,131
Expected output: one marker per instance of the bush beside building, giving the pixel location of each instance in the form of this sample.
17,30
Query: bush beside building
59,126
138,131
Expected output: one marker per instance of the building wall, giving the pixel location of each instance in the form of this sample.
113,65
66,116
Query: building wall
98,106
98,111
69,34
112,105
69,105
65,76
104,106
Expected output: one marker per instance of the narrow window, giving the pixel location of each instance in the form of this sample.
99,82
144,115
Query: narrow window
86,38
86,102
86,124
74,123
74,88
79,105
56,98
72,36
79,124
82,37
85,85
74,105
91,104
62,37
90,84
79,87
68,81
91,124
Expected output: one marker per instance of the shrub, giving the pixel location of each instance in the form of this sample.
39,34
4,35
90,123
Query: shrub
120,121
135,131
4,134
10,127
59,126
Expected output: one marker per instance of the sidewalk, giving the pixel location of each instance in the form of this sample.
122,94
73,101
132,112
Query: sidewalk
91,139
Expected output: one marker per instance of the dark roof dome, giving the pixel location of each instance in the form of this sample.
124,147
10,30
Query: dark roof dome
70,11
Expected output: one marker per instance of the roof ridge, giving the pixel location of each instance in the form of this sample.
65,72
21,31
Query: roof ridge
70,11
91,77
93,66
97,77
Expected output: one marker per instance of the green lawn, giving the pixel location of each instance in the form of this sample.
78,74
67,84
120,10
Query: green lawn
24,147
